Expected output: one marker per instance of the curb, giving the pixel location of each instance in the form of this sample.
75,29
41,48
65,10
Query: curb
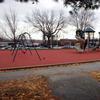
49,65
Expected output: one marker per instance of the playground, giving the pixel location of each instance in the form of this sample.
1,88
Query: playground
44,58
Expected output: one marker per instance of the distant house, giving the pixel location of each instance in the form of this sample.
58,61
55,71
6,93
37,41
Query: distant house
69,42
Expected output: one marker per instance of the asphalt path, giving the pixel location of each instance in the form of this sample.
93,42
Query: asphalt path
69,82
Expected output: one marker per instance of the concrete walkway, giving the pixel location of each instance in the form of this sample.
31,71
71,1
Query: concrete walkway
72,82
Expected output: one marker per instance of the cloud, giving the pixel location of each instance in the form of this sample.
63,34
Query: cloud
24,9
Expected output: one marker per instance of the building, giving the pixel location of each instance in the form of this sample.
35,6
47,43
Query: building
68,42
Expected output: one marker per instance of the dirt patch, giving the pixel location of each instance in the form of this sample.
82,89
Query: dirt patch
33,88
96,75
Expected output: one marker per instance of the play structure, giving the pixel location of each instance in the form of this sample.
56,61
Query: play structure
86,39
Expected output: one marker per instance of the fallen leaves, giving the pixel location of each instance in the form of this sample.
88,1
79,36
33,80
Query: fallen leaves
96,75
34,88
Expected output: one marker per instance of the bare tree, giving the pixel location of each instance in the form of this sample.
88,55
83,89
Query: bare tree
49,23
11,23
82,18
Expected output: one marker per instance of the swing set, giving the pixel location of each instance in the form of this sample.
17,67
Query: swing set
22,43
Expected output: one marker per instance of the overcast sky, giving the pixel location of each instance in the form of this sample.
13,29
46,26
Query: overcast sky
25,8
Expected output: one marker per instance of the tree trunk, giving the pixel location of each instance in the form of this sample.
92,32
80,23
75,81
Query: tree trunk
48,42
44,39
14,40
52,41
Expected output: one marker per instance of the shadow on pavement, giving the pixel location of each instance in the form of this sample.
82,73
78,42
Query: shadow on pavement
76,88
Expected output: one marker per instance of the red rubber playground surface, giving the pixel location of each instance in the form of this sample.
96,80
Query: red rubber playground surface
47,57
